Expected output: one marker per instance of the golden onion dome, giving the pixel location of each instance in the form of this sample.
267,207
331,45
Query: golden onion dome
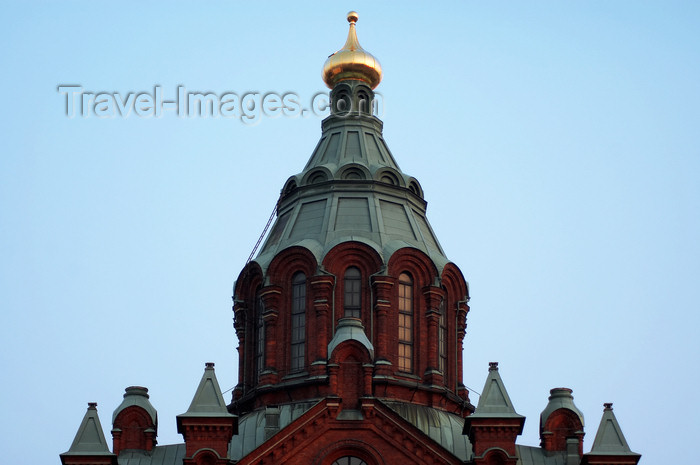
352,62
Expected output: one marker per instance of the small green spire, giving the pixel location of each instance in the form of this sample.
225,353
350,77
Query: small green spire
208,401
90,439
609,439
494,401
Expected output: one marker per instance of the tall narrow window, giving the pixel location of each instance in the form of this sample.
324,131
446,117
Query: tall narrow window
442,338
405,322
259,336
298,321
353,292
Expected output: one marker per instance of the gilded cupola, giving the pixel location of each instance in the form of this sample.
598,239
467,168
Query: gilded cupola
352,61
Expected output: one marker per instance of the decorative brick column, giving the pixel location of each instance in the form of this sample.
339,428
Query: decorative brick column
271,297
433,297
382,286
239,323
322,294
462,311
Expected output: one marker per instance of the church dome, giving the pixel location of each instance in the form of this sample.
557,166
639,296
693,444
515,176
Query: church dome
352,62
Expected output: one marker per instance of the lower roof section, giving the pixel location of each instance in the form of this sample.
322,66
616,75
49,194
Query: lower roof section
442,427
529,455
172,454
254,430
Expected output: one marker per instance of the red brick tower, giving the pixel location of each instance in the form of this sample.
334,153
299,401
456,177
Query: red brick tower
135,422
351,319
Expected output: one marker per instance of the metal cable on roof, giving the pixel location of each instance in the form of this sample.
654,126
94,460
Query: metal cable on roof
267,226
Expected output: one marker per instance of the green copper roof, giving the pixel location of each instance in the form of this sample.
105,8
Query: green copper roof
172,454
442,427
208,400
495,401
350,329
609,439
528,455
352,189
90,439
251,427
137,396
560,398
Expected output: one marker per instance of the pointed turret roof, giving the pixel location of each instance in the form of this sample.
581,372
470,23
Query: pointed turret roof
609,439
494,401
208,400
90,439
352,189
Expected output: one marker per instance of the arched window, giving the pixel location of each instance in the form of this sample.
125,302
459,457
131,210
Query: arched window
349,460
405,322
298,321
442,338
259,336
353,292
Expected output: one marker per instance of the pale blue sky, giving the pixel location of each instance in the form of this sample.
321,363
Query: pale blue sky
557,143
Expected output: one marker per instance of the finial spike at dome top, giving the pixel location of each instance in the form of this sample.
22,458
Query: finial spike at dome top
352,61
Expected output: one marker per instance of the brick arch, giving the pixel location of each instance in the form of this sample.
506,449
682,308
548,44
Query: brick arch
207,457
453,281
496,456
562,423
248,281
424,274
351,381
416,263
350,348
133,422
278,297
352,254
348,447
288,262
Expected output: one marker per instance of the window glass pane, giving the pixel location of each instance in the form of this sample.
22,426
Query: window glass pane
353,292
405,322
298,322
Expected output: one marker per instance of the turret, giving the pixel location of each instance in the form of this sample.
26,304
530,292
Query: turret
89,446
495,425
206,426
610,446
134,422
561,424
